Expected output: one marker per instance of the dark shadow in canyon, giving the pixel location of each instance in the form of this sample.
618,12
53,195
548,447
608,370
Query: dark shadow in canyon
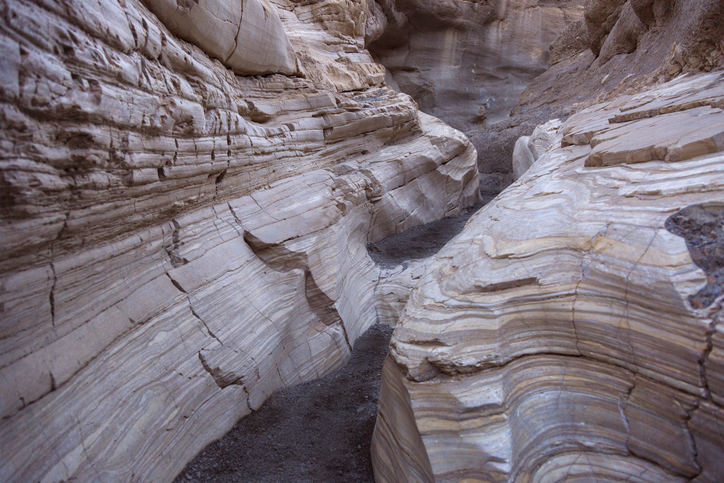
319,431
421,241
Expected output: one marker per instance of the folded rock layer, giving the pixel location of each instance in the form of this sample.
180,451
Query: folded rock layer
179,242
572,330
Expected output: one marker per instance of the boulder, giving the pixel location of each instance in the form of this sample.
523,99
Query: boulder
245,35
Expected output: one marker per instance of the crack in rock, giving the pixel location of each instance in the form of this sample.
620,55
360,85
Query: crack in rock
222,378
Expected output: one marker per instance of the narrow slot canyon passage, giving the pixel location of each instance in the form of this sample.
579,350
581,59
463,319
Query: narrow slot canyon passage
220,262
317,431
422,241
321,430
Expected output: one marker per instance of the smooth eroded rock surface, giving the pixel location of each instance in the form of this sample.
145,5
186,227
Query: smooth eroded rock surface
246,35
178,242
572,331
528,149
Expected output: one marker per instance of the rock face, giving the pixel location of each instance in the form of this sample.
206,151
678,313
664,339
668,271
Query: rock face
178,242
618,48
468,62
247,35
573,330
628,45
528,149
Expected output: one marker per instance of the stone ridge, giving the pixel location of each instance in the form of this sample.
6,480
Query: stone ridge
178,242
570,330
692,126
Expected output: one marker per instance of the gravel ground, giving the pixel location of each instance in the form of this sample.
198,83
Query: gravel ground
314,432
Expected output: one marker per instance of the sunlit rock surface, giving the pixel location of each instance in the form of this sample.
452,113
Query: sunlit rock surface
573,330
178,242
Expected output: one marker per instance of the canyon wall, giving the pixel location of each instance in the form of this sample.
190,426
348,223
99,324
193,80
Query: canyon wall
179,241
629,45
619,47
468,62
573,330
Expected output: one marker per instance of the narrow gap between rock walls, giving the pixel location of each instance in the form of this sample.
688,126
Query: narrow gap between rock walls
321,431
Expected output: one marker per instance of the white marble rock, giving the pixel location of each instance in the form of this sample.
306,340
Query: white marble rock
563,333
178,241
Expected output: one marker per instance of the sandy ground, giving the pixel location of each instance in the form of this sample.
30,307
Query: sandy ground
320,431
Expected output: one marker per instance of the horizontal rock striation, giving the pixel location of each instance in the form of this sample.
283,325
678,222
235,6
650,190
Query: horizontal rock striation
178,242
572,331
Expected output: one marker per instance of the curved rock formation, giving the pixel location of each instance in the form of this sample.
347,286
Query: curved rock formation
572,331
247,35
528,149
178,242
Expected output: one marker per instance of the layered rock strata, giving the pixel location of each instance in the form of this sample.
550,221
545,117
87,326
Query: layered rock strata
572,331
177,241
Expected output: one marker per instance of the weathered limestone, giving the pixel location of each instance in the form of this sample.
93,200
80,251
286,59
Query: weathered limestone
178,242
572,330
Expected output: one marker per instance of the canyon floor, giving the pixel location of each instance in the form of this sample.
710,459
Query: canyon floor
321,431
